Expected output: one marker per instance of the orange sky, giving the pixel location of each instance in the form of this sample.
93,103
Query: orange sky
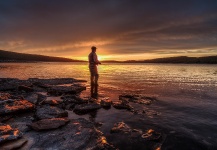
121,30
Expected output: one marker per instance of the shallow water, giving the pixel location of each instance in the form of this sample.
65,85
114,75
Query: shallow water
186,93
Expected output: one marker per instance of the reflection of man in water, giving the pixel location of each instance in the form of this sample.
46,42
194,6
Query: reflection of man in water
94,76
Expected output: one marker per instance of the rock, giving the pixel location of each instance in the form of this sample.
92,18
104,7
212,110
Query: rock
152,135
85,108
46,124
120,127
77,134
12,106
70,106
121,105
48,112
140,99
11,145
51,102
7,133
59,90
5,118
105,103
25,88
4,96
68,99
33,98
54,81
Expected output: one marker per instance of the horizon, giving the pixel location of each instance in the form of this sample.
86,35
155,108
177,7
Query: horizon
121,30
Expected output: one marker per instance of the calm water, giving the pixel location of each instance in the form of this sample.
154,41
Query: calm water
187,94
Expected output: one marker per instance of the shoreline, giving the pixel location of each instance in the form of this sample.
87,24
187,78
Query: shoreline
115,125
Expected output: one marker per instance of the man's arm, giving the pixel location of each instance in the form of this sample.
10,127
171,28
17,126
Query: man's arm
96,59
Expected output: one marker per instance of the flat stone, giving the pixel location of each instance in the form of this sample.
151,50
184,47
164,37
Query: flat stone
152,135
68,99
121,105
25,88
85,108
15,144
105,103
140,99
33,98
46,124
4,96
7,133
78,134
120,127
12,106
59,90
48,112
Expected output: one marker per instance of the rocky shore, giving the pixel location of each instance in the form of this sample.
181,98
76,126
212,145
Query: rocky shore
34,114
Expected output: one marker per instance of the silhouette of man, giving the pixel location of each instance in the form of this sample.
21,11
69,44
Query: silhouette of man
94,76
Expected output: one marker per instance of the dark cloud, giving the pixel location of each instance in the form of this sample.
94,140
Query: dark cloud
120,26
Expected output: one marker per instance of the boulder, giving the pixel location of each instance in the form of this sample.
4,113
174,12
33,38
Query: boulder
7,133
51,102
48,112
85,108
12,106
46,124
77,134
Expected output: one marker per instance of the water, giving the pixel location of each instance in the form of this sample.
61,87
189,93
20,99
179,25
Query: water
186,93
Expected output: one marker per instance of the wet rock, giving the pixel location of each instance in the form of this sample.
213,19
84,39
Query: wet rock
46,124
68,99
51,102
122,105
152,135
60,90
12,106
70,106
25,88
77,134
105,103
140,99
55,81
48,112
120,127
15,144
41,98
5,118
85,108
7,133
4,96
33,98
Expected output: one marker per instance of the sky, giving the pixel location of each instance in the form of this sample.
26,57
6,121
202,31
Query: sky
120,29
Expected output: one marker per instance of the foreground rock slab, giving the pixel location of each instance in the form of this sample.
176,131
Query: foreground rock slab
85,108
15,144
48,112
12,106
78,134
47,124
7,133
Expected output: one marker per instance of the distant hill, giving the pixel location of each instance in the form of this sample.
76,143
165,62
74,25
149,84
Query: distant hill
180,59
6,56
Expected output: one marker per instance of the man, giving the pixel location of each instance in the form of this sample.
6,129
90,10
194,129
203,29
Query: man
94,76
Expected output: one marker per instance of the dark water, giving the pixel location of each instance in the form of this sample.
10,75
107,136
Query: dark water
186,95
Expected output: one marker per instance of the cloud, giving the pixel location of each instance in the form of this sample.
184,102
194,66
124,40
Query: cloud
119,27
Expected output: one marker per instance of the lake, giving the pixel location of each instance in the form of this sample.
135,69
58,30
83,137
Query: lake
186,93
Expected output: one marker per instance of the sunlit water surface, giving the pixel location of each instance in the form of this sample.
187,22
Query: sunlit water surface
186,93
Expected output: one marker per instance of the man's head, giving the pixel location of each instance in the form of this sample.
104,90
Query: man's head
93,48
